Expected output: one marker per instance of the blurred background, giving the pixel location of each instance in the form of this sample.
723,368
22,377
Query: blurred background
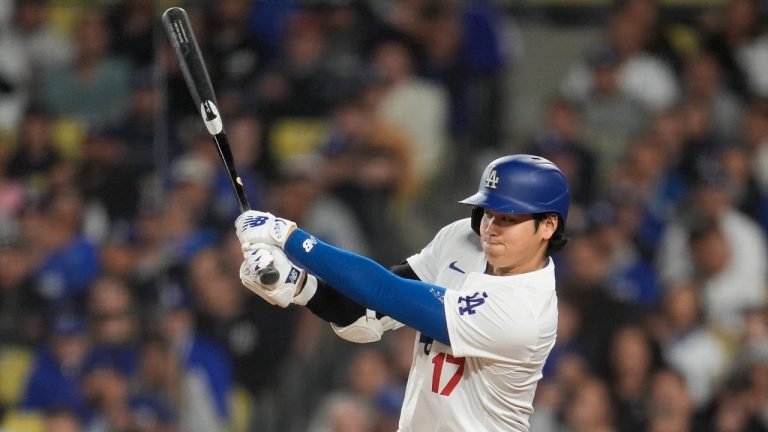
365,121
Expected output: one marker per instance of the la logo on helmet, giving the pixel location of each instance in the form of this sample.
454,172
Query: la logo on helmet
492,179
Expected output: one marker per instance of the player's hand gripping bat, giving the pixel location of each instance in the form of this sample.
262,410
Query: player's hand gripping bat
179,31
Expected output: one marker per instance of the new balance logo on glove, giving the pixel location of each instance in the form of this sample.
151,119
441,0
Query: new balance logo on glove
254,221
293,276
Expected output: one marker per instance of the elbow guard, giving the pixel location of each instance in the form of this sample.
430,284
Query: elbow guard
366,329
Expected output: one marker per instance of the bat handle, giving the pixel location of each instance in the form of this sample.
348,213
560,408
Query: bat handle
269,275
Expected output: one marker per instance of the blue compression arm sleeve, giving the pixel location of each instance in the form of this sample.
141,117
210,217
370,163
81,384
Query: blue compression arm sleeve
414,303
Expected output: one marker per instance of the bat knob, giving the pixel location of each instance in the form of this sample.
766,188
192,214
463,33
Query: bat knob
269,275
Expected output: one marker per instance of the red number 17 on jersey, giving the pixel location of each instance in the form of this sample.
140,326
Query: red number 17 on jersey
437,372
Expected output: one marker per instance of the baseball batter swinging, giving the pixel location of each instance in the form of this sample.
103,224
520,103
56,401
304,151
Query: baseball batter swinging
485,308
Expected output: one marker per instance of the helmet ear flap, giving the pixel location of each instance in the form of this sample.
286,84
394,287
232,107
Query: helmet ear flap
477,216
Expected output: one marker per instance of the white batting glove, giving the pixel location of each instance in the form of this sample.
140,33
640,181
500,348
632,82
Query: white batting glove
282,292
261,227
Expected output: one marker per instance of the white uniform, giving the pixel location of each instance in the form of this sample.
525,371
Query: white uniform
501,327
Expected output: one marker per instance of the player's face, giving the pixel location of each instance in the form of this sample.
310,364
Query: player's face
512,243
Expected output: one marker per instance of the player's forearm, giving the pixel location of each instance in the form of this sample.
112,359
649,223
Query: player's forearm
413,303
331,306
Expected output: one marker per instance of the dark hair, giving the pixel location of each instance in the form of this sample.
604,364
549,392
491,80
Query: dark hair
558,240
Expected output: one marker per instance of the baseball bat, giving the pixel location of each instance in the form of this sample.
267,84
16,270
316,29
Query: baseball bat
179,31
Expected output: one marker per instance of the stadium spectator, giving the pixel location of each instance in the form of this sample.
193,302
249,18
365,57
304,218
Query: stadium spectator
22,311
705,87
590,409
30,45
36,155
669,404
730,254
615,224
415,105
732,37
45,45
236,55
131,25
747,197
643,76
65,261
93,89
756,137
633,358
586,266
58,366
690,346
114,324
561,140
612,116
205,372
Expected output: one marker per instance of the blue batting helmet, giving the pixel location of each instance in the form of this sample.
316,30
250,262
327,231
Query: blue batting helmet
522,184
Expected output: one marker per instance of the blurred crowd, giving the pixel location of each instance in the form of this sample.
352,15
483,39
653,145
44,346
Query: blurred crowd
364,121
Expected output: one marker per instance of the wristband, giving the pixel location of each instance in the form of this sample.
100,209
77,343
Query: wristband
306,294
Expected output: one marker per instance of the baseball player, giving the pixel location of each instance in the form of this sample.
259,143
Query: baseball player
484,307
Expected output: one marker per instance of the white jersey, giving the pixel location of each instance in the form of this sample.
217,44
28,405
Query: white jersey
501,328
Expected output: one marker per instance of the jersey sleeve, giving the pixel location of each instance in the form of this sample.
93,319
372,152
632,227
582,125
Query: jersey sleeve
426,263
491,321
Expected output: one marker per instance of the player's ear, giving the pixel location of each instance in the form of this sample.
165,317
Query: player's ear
548,225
